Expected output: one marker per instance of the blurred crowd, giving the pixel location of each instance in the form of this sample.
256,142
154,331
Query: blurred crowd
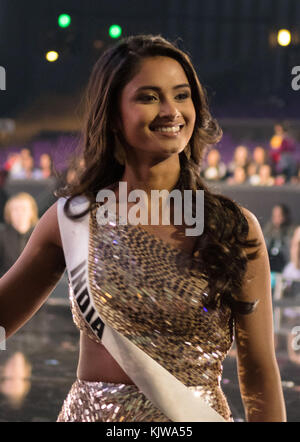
20,166
264,166
282,239
276,163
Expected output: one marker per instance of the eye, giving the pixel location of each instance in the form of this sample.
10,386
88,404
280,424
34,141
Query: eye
183,96
147,98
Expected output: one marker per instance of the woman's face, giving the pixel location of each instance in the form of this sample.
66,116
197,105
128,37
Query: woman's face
21,214
251,169
157,111
265,173
259,155
278,217
45,161
239,175
213,158
241,155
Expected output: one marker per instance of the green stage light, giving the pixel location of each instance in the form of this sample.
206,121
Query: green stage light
64,20
115,31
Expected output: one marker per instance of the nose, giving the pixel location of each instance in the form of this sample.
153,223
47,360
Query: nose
168,109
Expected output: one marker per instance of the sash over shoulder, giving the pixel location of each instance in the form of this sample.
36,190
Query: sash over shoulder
138,297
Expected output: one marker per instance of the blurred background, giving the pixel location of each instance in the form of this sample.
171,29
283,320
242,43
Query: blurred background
247,56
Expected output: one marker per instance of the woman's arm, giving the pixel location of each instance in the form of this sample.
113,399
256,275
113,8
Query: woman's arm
295,248
258,372
28,283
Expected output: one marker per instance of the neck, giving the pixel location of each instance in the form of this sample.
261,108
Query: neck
147,177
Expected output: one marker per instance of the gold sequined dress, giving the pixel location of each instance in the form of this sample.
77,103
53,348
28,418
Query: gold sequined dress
154,295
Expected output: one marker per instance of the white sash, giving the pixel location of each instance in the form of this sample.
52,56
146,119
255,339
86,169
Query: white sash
164,390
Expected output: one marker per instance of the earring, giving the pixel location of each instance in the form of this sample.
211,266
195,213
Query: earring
119,151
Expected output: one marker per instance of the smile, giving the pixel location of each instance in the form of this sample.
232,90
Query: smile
168,130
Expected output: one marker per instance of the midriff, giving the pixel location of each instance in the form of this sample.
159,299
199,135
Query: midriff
97,365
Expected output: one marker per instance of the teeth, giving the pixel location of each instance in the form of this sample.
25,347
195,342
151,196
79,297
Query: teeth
173,129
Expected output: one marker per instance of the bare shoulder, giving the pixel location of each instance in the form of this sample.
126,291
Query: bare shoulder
48,227
255,230
257,279
251,218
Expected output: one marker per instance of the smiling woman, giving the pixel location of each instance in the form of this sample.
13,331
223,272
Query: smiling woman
156,308
157,112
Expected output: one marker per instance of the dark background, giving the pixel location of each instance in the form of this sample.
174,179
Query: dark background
231,43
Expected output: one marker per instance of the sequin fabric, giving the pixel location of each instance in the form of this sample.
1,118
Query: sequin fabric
78,320
108,402
153,294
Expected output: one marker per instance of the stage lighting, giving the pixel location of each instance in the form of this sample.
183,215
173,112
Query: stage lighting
64,20
52,56
284,37
115,31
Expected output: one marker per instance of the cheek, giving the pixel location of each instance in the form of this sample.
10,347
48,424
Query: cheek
137,129
191,114
135,119
192,121
133,129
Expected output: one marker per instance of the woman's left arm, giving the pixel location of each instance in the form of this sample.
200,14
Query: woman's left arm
258,372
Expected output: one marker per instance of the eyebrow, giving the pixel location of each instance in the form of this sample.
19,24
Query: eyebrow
158,89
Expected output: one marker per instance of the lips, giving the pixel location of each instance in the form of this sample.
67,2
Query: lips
167,128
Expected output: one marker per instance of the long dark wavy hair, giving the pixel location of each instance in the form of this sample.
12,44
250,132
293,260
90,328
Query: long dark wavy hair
221,248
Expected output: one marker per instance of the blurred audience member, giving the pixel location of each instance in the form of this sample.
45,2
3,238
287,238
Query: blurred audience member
241,158
239,176
277,233
265,175
296,179
259,159
27,169
252,174
21,215
75,169
292,269
282,147
13,164
215,169
46,168
279,180
71,176
260,156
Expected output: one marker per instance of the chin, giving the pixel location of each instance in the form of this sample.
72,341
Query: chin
171,151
